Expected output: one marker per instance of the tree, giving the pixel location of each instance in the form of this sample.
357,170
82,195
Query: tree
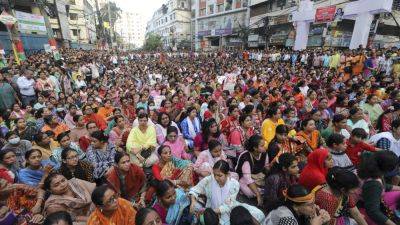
152,42
243,33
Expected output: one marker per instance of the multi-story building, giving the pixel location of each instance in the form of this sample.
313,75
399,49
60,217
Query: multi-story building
271,22
132,28
82,22
172,22
219,23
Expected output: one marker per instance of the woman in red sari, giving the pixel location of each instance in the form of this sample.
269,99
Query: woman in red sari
127,179
178,171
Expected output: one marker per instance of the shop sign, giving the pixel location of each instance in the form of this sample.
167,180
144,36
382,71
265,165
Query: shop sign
253,38
204,33
223,31
325,14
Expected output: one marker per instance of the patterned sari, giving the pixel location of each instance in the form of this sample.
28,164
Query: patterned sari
177,169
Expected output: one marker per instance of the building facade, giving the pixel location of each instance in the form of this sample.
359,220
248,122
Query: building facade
271,22
82,22
219,23
172,22
132,28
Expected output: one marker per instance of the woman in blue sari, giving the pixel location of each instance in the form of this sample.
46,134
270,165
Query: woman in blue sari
36,169
172,204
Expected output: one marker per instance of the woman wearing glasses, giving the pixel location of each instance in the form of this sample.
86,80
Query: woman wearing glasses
73,167
110,209
72,196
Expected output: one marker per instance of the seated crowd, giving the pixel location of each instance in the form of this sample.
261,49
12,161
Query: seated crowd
284,138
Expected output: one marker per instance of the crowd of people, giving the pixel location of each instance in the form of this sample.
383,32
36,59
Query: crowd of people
273,137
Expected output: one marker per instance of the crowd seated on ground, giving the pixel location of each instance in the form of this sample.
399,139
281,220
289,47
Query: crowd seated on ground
272,137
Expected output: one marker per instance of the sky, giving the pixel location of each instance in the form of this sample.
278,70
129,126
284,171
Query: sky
146,7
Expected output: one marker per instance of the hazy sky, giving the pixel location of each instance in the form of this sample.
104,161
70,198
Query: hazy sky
146,7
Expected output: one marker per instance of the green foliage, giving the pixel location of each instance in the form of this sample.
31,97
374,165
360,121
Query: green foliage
152,42
115,13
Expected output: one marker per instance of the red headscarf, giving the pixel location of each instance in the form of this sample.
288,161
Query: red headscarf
134,180
314,173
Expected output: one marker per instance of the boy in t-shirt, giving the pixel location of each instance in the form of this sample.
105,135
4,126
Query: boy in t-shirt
356,145
337,147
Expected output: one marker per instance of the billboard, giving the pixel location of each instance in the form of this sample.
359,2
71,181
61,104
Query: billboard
29,23
325,14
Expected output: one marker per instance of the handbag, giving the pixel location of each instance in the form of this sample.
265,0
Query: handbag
146,153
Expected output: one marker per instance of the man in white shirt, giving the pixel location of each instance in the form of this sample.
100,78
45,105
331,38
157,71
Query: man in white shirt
26,85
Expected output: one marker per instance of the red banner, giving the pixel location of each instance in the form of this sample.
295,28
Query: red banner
325,14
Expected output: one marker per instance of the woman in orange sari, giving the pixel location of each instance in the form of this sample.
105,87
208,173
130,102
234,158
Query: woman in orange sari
309,136
110,209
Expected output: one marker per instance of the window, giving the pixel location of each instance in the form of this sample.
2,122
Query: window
211,9
73,16
202,12
182,5
72,2
220,8
75,32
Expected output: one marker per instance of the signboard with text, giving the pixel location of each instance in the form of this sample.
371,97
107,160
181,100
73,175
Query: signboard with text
28,23
325,14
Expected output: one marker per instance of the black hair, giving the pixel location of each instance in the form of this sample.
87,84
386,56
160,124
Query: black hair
243,117
9,134
248,109
281,129
142,214
335,139
295,191
76,118
47,119
354,110
49,178
142,115
162,187
139,109
213,144
338,117
118,156
98,194
284,161
160,149
30,152
65,151
4,152
90,122
159,118
117,117
56,217
206,129
241,216
222,165
272,111
304,123
210,217
375,165
62,135
99,135
171,129
211,103
359,132
395,123
253,142
232,108
339,178
38,137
